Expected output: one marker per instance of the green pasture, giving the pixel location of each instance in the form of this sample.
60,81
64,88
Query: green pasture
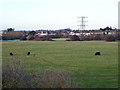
75,57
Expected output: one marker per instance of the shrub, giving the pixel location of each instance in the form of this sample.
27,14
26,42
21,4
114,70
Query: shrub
11,35
14,76
110,38
0,37
43,38
47,38
50,79
74,38
92,37
85,38
97,37
30,37
67,40
32,33
4,37
117,36
23,38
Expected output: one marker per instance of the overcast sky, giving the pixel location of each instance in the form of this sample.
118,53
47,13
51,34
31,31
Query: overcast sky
57,14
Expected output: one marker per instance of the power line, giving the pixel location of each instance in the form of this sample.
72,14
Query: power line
82,24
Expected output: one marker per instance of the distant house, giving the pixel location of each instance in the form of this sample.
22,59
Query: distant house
78,33
90,32
45,33
85,32
75,32
72,33
51,33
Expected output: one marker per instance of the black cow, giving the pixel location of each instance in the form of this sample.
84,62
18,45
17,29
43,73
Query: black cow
11,54
97,53
28,53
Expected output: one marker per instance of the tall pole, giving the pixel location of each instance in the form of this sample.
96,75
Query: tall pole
82,24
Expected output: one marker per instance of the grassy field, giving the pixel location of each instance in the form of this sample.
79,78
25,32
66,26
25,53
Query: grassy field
75,57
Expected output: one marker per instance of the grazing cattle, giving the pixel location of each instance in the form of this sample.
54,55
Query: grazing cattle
11,54
97,53
28,53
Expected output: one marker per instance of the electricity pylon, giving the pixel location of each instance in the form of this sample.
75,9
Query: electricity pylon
82,25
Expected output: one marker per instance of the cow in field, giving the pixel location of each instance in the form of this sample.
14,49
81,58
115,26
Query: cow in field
28,53
97,53
11,54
